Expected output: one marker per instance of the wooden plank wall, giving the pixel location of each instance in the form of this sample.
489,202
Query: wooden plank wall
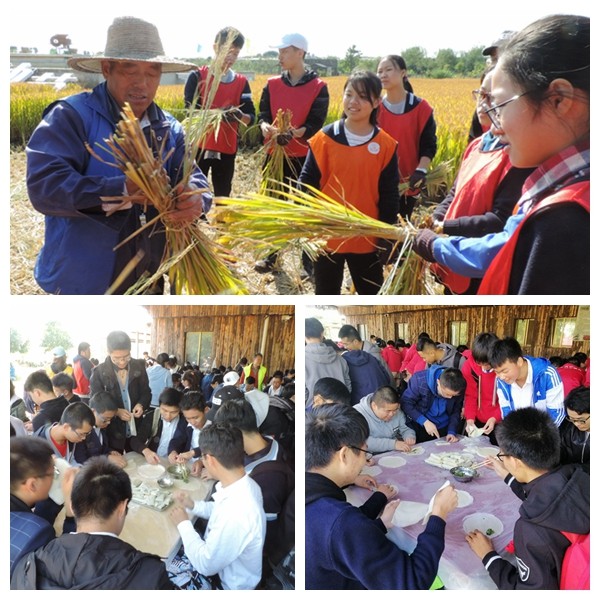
237,331
381,320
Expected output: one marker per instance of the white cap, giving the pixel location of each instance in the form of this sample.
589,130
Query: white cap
231,378
292,39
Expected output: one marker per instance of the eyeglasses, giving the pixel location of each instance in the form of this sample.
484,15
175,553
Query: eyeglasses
121,359
103,420
81,434
500,455
480,95
493,110
582,421
368,455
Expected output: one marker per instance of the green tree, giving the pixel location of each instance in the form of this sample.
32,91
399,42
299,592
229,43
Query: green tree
17,343
351,60
55,335
417,62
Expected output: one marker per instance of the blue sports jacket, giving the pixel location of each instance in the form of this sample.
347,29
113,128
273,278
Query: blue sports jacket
66,184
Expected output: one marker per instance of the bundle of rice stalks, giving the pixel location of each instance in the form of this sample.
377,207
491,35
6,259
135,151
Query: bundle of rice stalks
308,219
276,156
195,263
438,180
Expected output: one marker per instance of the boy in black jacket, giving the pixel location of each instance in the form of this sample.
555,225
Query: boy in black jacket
555,499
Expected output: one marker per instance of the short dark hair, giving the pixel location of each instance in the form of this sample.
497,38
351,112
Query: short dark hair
454,380
76,414
103,401
38,380
328,428
224,442
171,397
99,487
118,340
231,35
238,413
423,343
482,344
162,359
530,435
350,332
63,381
507,349
30,456
313,328
251,379
289,390
278,374
386,394
332,389
578,400
82,347
193,400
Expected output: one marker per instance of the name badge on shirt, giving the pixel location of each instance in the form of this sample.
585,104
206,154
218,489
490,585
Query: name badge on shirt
373,148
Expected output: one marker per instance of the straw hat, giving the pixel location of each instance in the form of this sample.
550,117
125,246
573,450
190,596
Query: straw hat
130,39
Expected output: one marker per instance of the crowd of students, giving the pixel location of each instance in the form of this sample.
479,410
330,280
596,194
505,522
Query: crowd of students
241,435
540,425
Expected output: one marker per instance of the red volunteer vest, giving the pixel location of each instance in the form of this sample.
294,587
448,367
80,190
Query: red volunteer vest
299,100
497,277
479,176
406,129
350,174
228,94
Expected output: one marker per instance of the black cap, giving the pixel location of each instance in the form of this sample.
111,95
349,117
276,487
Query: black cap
222,395
499,43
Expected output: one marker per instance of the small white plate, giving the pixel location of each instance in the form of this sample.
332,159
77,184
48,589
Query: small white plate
151,471
484,522
464,498
374,470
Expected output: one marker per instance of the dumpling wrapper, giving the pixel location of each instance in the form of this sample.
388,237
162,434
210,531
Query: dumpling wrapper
415,451
476,432
391,462
487,451
56,492
464,498
483,522
373,470
409,513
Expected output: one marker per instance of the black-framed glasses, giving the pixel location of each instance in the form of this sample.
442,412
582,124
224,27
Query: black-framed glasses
500,455
368,455
82,435
581,421
480,95
493,110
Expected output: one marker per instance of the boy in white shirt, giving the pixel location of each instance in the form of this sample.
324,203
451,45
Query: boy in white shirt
235,534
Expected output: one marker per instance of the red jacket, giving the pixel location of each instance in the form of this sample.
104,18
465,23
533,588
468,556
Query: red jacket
481,401
572,376
393,357
412,361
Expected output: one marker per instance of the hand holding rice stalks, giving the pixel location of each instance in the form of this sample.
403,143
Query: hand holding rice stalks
195,263
308,219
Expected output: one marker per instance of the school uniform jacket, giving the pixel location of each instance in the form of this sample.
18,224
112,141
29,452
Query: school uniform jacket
364,176
347,547
481,401
548,392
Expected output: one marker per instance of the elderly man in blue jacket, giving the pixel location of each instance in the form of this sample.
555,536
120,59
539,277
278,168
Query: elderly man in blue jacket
433,402
88,204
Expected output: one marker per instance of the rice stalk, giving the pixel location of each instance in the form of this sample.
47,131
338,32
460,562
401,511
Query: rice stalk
436,179
194,263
